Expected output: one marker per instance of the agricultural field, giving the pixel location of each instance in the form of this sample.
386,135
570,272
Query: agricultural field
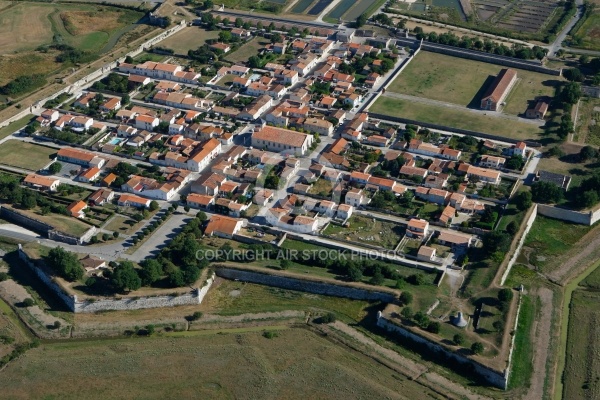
443,78
30,156
587,35
188,39
456,118
237,365
349,10
581,375
369,231
588,124
25,27
520,18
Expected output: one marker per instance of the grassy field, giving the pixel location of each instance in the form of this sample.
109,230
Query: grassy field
123,225
441,77
188,39
582,368
62,223
589,32
15,126
25,155
568,164
369,231
547,241
246,51
26,26
522,363
456,118
237,365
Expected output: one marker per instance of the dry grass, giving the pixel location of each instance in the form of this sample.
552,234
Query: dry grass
62,223
84,22
24,26
188,39
11,65
237,365
441,77
25,155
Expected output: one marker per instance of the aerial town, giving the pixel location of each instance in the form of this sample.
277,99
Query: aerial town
300,199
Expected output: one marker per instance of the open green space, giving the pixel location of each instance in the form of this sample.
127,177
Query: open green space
455,118
370,231
15,126
237,365
62,223
523,350
246,50
547,241
25,155
588,127
444,78
582,368
188,39
588,34
123,225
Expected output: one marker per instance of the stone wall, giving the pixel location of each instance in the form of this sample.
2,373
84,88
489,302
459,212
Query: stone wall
69,301
328,289
496,378
577,217
45,229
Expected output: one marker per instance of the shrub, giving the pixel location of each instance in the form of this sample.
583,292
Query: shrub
3,276
434,327
28,302
458,339
56,325
477,348
270,334
407,312
406,298
196,316
505,295
327,318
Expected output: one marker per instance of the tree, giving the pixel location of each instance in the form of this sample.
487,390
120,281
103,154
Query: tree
515,163
477,348
66,264
406,298
546,192
201,216
284,263
512,228
28,302
498,326
587,153
458,339
377,278
151,271
276,38
496,241
505,294
56,325
589,198
196,316
129,60
354,273
55,167
125,277
150,329
523,200
434,327
573,75
225,36
421,319
571,92
153,205
105,237
416,279
116,235
407,312
328,318
361,20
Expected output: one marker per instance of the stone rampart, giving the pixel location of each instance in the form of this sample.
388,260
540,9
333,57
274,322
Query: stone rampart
328,289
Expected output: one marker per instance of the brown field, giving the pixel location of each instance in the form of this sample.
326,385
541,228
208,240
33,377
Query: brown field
188,39
84,22
237,365
11,65
24,26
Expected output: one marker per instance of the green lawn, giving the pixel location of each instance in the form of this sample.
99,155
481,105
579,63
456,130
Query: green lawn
547,240
15,126
456,118
246,50
25,155
188,39
523,351
441,77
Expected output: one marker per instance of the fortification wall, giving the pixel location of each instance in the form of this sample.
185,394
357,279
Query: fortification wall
496,378
515,255
284,282
583,218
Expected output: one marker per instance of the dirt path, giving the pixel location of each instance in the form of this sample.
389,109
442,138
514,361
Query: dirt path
408,367
541,332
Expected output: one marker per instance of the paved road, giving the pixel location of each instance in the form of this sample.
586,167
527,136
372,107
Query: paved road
560,38
438,103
